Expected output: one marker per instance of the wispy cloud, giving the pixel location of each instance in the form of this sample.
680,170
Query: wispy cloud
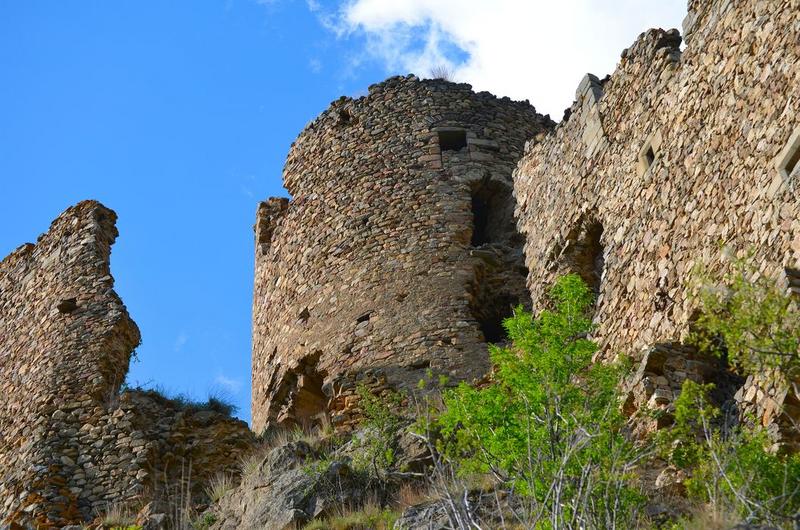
533,49
232,385
315,65
180,341
247,186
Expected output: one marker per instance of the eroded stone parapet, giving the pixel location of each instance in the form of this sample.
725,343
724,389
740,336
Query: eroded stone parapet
268,216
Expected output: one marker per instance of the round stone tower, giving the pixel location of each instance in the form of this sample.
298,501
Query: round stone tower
397,253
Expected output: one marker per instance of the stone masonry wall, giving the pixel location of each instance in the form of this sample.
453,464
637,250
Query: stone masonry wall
657,165
397,253
70,443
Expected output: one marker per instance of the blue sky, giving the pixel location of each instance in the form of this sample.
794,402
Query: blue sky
178,115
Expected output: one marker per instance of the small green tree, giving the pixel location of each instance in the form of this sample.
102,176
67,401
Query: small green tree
549,425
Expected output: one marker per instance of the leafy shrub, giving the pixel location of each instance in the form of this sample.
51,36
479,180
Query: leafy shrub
749,318
205,521
731,468
380,425
549,426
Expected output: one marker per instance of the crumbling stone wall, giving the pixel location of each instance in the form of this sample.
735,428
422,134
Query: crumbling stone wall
70,443
673,154
397,253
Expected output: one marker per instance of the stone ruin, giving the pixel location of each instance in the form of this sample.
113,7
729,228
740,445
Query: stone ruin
397,253
385,263
71,443
401,250
654,167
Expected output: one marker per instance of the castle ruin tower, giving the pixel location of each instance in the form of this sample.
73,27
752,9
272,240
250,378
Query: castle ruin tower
397,253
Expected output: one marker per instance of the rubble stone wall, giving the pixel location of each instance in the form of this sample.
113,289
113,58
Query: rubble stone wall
70,444
397,253
656,166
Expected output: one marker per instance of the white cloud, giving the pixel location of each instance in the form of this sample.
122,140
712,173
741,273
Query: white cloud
525,49
234,386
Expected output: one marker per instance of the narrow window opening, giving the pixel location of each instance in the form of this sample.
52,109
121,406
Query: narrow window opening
420,364
793,280
649,152
480,221
649,156
304,316
452,140
345,117
792,163
67,305
788,161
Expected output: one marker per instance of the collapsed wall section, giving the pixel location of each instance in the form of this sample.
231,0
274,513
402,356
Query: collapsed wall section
674,154
397,253
70,444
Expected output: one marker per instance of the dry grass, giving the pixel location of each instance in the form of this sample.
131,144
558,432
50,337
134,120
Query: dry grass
369,517
441,71
118,516
218,486
251,462
705,517
411,494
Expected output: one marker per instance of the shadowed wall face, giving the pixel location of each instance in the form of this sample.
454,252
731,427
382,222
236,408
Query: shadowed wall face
399,232
658,164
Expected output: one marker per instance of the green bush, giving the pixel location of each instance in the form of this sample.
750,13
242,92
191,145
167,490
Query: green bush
205,521
731,468
750,319
549,426
380,426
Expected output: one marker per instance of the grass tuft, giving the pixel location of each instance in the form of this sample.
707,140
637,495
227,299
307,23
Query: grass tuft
218,486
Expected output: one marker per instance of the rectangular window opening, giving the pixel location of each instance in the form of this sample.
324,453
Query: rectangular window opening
452,140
